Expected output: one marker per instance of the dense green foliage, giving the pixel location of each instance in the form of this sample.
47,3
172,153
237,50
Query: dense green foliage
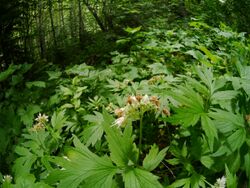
130,94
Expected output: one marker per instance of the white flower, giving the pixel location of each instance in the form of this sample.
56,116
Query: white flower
134,100
7,178
221,182
120,112
145,99
42,118
119,122
222,1
37,127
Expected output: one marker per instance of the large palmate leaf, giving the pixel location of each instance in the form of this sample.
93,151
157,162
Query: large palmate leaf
58,120
122,149
191,106
81,166
28,181
27,113
138,178
206,76
24,163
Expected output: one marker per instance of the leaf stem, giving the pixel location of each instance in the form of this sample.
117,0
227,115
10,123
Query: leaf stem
140,134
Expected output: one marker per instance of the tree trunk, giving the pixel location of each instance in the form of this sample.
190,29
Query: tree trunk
94,13
41,31
106,10
81,25
60,2
72,17
52,23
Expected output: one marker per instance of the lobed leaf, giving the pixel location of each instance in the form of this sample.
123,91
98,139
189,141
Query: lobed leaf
153,158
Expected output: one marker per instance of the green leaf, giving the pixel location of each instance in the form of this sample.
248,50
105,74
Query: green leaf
234,162
11,69
198,86
231,178
185,117
221,151
122,149
81,70
132,30
66,91
54,74
247,164
212,57
58,120
244,81
27,114
246,85
184,150
226,121
36,84
174,161
200,57
28,181
209,129
132,74
191,106
138,178
207,161
197,181
206,75
236,139
93,132
180,183
24,163
224,95
153,158
83,166
158,68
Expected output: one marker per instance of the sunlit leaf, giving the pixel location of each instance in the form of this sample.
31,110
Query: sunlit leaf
83,166
36,83
133,30
139,178
153,158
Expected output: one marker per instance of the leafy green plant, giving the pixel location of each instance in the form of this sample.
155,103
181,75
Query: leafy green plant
82,167
180,99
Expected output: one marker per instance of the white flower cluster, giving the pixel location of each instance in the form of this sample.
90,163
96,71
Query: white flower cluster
42,118
220,182
41,121
7,178
135,107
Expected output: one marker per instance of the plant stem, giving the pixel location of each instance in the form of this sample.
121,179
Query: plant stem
140,136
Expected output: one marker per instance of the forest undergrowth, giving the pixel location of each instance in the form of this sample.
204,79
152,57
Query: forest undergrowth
167,108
